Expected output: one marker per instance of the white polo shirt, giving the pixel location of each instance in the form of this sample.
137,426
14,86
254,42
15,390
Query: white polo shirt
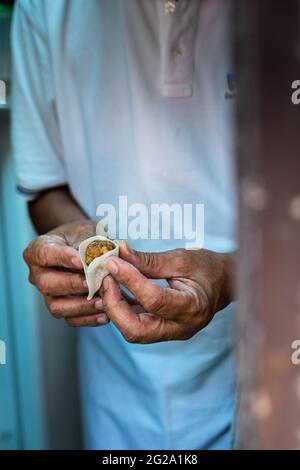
128,97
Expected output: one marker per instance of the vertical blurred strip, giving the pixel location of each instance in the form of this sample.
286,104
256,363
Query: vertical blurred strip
268,156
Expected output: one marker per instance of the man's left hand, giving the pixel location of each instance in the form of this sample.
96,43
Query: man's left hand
200,284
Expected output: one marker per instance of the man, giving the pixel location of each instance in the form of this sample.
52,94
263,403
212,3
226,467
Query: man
128,98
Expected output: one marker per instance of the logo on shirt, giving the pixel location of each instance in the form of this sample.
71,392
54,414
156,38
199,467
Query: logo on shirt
2,353
163,221
231,86
2,92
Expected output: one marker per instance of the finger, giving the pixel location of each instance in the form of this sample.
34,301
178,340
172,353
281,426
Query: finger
57,283
157,265
135,327
51,254
117,308
130,299
155,299
91,320
64,307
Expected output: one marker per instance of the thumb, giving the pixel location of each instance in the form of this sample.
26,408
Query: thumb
161,265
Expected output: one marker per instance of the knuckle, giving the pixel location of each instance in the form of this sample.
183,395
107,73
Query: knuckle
154,303
147,259
74,284
192,305
54,310
132,337
182,259
56,314
185,336
43,285
26,255
29,254
186,333
31,278
40,253
201,302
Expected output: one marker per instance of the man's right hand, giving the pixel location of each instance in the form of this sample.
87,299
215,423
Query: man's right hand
56,270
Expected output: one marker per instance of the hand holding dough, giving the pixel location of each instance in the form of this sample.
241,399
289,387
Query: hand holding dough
93,256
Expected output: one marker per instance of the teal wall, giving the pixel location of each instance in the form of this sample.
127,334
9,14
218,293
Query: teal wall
39,404
21,416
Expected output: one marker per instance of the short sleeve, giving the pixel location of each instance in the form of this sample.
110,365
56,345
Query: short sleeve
36,141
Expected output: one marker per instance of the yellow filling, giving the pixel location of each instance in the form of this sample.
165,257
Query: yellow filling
97,248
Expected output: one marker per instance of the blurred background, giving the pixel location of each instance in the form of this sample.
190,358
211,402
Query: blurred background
39,405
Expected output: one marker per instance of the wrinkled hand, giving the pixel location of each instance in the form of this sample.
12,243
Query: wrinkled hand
199,286
56,270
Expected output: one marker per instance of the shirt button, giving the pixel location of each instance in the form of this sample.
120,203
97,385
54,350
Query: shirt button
176,51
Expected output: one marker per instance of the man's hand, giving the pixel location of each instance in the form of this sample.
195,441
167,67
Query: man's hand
55,269
199,285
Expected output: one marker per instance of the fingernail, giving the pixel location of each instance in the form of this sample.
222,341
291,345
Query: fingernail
112,266
102,319
99,304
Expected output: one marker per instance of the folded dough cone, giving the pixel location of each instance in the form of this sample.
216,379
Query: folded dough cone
96,271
